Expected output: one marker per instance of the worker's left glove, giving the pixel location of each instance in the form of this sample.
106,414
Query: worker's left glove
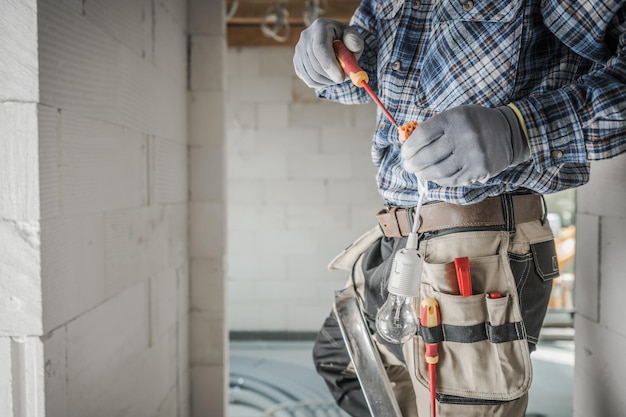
465,144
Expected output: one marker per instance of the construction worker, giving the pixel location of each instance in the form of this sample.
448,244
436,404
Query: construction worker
513,99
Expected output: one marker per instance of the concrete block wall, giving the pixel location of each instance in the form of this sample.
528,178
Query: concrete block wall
300,187
207,214
94,259
21,324
600,372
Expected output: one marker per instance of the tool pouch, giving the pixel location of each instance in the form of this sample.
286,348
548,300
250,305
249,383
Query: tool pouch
484,363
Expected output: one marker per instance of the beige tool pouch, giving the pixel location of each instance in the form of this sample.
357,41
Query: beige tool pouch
346,259
484,363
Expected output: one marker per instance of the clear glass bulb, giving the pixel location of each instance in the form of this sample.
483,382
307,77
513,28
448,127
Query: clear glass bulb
395,320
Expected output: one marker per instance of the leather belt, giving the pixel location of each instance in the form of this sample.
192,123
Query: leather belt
504,211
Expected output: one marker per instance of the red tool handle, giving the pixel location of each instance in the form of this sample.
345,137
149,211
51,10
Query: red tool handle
347,60
431,317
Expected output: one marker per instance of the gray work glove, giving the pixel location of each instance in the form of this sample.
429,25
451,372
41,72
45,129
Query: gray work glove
314,59
465,144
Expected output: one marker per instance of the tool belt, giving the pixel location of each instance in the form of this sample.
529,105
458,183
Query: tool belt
500,213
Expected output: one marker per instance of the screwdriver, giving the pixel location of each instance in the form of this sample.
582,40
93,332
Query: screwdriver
358,76
429,318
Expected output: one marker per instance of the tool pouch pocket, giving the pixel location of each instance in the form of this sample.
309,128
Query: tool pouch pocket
484,359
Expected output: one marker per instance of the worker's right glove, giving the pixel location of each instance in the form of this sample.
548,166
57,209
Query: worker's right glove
314,59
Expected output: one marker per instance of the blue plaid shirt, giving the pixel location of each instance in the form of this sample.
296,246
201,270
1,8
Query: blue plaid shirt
562,63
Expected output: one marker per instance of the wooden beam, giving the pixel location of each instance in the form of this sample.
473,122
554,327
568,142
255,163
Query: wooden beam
251,36
252,12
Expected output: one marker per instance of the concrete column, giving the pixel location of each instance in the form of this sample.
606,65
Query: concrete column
209,340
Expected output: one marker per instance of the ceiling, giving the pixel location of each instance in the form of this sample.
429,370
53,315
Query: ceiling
244,26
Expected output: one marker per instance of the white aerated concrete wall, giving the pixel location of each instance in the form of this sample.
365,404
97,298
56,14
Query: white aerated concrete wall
600,372
94,259
300,188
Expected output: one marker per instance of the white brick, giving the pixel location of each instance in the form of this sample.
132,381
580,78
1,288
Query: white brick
252,167
319,166
240,290
19,171
209,391
207,235
353,192
128,22
273,115
362,167
20,278
103,347
612,248
170,171
261,90
103,166
241,115
294,141
329,217
208,338
287,292
301,93
256,316
365,116
50,162
242,243
206,118
18,42
250,267
177,9
247,191
244,218
207,292
136,246
177,242
6,389
346,140
314,268
241,141
307,317
207,63
271,242
599,372
27,376
206,17
604,194
316,114
55,353
73,267
295,191
206,172
276,62
161,111
587,266
243,63
78,61
163,303
170,44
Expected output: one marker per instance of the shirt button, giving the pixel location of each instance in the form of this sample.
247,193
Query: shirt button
381,125
396,66
416,4
468,5
378,7
557,154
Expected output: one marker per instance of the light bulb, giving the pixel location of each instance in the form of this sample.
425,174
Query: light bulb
395,320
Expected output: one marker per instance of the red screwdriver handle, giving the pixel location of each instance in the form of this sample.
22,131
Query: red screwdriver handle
348,62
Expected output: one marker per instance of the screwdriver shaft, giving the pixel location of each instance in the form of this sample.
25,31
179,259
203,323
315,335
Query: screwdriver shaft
378,102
